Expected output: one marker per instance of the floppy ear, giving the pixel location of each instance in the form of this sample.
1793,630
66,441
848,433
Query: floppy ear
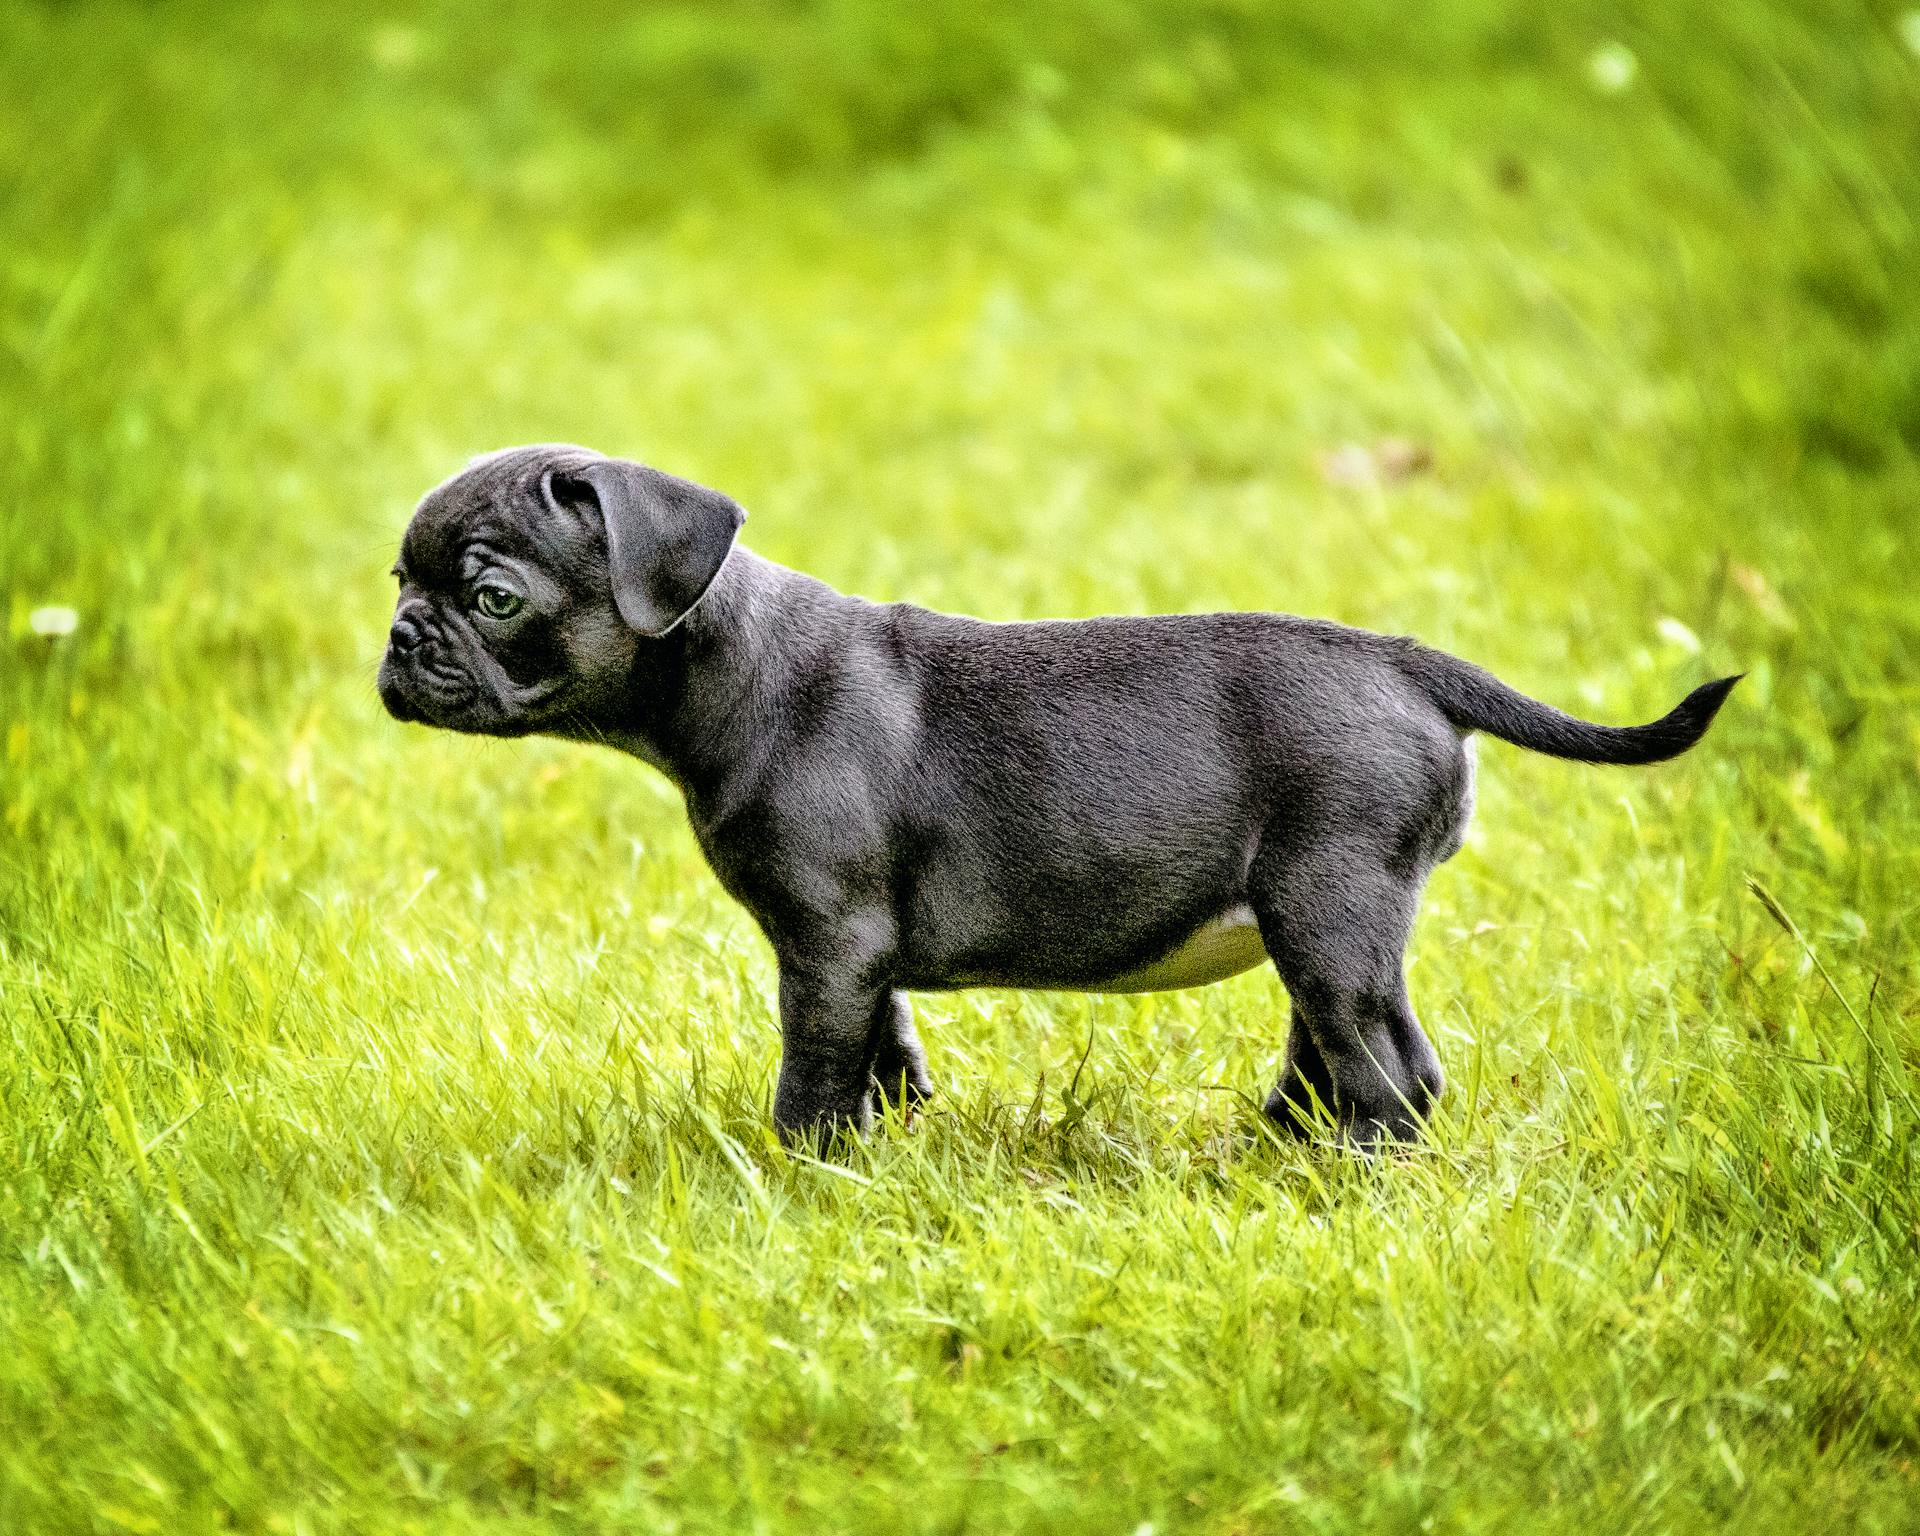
666,538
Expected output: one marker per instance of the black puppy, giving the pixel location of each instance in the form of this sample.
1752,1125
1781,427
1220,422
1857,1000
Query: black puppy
910,800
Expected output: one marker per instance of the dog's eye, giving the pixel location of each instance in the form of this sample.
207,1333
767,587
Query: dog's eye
496,602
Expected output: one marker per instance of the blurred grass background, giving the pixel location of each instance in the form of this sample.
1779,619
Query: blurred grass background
381,1114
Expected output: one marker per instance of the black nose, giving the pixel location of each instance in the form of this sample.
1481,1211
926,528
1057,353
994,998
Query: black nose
406,636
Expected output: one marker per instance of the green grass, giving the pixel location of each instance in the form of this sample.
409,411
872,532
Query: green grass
383,1115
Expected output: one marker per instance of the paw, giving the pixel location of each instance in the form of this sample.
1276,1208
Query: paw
1303,1111
1294,1109
807,1123
902,1092
819,1137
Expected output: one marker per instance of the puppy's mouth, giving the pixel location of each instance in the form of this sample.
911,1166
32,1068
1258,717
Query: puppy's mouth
418,692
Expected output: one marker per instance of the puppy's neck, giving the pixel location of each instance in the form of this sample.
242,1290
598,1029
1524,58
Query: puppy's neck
702,700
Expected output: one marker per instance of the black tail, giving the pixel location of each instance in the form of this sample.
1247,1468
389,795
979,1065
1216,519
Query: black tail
1476,700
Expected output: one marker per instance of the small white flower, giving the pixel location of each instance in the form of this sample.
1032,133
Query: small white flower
53,622
1612,67
1349,464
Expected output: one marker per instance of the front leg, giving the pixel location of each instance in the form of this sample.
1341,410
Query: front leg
831,1019
899,1063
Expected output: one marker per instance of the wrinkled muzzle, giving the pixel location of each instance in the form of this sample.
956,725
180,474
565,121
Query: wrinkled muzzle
423,682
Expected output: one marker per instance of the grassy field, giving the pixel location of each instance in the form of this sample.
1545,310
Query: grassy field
383,1115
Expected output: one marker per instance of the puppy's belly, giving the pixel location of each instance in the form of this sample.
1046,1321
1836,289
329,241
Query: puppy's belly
1222,946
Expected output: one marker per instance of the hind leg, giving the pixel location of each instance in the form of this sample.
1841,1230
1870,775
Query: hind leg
1335,921
1305,1089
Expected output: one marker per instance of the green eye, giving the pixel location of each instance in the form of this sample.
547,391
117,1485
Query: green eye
496,602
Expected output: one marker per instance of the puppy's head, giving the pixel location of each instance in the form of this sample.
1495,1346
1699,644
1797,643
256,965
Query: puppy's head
531,581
